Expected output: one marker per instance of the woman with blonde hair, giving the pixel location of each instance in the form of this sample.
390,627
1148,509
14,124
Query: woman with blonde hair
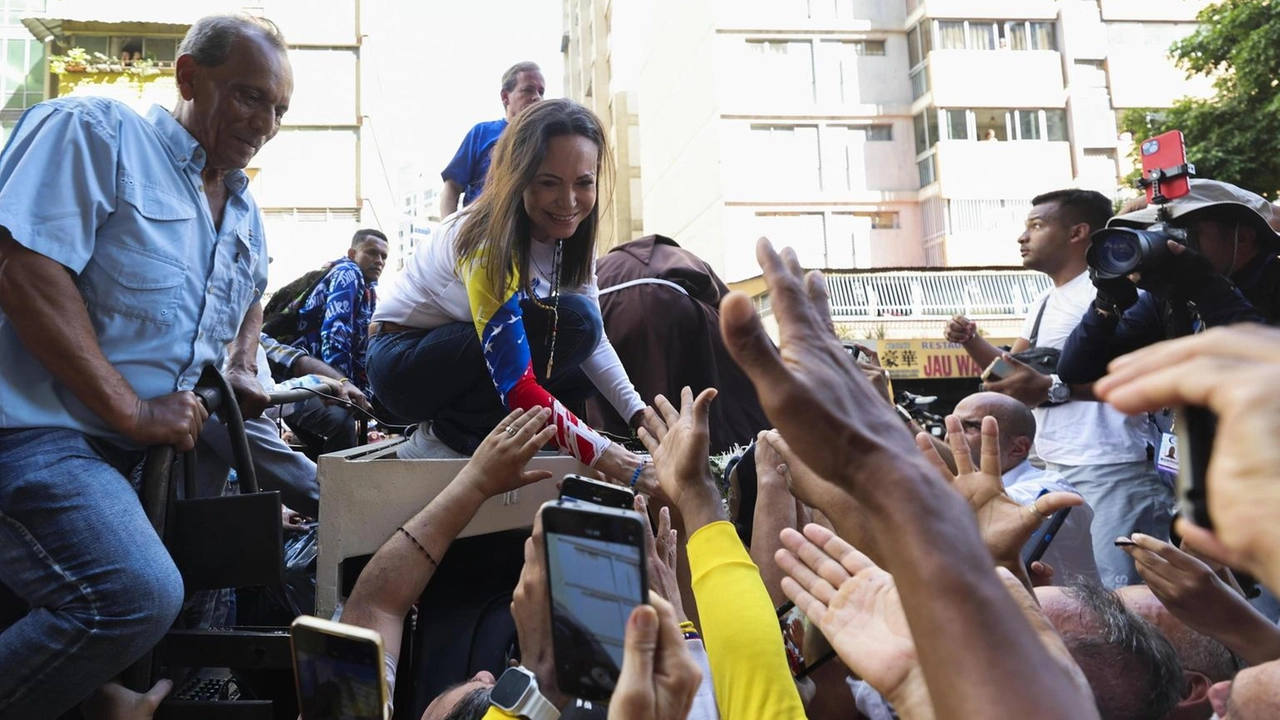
499,310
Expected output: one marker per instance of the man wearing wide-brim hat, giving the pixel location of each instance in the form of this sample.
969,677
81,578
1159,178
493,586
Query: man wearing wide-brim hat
1226,273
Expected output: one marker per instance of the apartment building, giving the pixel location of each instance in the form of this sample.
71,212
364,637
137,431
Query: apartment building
869,133
308,179
600,67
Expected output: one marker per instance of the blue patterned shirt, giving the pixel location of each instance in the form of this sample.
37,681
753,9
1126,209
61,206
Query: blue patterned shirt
333,324
118,200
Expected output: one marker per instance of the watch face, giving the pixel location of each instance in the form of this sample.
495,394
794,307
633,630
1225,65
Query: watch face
510,689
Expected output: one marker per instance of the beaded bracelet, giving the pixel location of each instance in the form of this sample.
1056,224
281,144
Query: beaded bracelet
635,476
414,540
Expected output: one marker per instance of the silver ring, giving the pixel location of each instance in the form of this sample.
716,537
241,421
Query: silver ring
511,430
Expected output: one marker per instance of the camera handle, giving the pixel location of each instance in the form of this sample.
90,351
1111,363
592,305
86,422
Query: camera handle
1157,176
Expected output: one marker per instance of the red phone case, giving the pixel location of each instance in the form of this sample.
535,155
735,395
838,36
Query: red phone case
1165,152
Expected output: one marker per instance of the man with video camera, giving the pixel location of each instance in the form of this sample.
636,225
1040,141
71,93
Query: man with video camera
1212,263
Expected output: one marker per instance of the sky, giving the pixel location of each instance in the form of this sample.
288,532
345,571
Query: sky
433,69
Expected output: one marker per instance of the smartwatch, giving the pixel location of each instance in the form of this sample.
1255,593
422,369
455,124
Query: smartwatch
1059,392
517,695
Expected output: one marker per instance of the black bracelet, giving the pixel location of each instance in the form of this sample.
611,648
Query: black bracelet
414,540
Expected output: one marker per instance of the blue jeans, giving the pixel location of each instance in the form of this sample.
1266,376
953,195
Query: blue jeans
440,374
77,547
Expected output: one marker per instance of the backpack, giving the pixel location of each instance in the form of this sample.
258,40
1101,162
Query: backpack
280,316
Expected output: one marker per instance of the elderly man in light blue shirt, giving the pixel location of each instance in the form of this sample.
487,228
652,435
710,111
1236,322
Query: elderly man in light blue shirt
131,256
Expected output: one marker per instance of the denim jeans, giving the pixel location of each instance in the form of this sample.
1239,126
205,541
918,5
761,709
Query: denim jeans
440,374
77,547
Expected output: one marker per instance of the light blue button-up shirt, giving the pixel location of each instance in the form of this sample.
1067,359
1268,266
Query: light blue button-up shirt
118,200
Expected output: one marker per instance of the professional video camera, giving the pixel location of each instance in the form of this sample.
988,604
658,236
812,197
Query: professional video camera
1117,252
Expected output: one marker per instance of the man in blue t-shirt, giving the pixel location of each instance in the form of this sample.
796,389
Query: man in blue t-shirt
522,86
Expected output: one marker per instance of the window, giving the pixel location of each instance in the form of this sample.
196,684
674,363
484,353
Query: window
868,47
879,133
919,83
951,34
925,169
926,127
957,124
919,43
993,35
162,50
22,83
999,124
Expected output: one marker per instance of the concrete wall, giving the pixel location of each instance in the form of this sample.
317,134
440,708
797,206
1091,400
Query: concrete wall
993,9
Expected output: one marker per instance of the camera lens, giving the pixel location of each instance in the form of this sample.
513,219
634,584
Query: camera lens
1115,253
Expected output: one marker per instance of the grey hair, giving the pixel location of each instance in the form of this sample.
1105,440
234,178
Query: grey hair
1132,667
513,73
210,39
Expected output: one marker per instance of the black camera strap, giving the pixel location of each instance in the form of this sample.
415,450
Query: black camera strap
1035,329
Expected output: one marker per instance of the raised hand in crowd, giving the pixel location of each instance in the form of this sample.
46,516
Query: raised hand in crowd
531,611
659,677
679,442
1233,371
396,576
846,515
661,551
1005,526
838,425
873,371
776,509
856,606
960,329
1194,594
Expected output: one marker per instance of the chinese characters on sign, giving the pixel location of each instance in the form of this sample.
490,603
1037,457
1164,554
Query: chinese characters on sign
914,359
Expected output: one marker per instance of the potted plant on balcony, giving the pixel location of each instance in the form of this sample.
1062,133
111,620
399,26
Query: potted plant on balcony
76,60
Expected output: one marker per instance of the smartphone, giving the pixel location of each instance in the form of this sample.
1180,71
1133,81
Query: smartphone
1166,151
577,487
855,351
792,622
338,670
596,575
1195,427
997,370
1038,543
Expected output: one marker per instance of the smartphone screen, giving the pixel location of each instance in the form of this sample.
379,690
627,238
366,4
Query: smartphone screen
577,487
1165,152
1038,543
596,576
792,622
338,676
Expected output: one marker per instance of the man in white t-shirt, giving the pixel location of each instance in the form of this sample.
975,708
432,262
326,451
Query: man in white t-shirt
1100,451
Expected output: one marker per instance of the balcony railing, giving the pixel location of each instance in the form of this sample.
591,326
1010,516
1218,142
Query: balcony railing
929,295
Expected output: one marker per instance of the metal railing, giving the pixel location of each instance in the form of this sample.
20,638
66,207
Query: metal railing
916,294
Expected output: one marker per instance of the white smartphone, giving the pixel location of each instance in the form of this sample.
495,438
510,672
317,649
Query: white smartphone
338,670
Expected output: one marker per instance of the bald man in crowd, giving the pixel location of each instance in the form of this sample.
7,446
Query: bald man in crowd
1070,554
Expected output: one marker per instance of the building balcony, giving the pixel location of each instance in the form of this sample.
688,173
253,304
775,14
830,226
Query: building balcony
1004,170
1163,11
995,78
988,9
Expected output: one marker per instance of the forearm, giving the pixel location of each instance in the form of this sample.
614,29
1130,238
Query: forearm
307,365
1249,633
970,635
400,571
449,198
740,629
980,350
48,315
243,351
775,510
